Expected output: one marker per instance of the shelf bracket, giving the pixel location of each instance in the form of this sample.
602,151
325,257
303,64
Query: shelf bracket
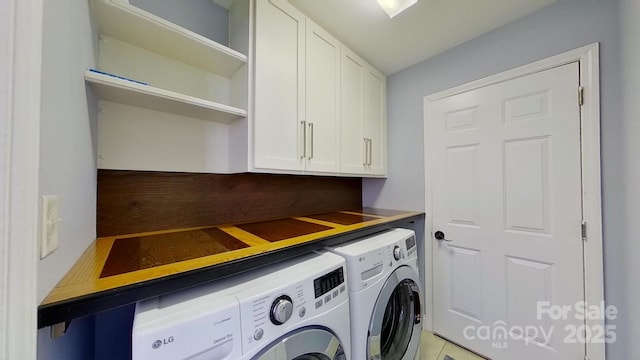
59,329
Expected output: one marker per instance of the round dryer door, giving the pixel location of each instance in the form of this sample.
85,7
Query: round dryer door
394,330
310,343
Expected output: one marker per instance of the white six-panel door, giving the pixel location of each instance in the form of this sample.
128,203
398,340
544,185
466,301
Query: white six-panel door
506,193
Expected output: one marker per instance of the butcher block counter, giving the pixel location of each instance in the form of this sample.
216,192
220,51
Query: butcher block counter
120,270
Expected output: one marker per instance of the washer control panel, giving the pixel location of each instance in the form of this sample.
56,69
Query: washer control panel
281,310
266,316
371,259
397,252
328,282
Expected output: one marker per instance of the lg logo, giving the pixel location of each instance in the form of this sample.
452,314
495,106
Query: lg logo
156,344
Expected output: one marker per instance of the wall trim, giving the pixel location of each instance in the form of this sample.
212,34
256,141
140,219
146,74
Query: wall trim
588,59
5,115
20,93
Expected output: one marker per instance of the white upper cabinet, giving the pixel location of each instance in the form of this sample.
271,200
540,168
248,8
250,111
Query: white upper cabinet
279,94
322,101
319,108
375,121
363,117
296,122
354,145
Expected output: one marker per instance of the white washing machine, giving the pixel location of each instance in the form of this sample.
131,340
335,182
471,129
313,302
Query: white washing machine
298,309
385,295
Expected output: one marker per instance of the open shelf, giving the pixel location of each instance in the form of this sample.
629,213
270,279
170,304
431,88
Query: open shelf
126,92
120,20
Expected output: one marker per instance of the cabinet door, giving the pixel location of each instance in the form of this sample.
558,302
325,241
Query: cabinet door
323,100
353,145
375,121
279,86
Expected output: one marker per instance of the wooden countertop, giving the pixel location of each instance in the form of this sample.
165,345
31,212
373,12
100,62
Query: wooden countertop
119,270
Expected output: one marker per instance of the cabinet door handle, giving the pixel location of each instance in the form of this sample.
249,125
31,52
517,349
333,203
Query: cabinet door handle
366,152
311,139
303,123
370,151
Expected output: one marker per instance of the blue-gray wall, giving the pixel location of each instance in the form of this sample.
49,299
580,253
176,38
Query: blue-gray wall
76,344
68,156
113,331
622,242
203,17
563,26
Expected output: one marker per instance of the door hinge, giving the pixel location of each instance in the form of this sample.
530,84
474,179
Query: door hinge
584,230
580,95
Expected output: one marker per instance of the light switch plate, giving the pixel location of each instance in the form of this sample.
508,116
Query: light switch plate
49,227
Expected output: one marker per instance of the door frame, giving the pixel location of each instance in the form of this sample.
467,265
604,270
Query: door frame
588,60
20,94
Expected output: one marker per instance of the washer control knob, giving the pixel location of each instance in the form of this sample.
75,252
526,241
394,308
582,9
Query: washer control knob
281,310
257,335
397,252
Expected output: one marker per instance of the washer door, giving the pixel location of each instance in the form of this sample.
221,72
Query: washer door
394,329
309,343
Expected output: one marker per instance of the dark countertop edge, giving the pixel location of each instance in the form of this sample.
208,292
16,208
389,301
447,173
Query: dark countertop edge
67,310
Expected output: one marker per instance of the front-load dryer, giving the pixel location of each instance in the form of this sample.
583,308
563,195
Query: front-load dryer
294,310
385,295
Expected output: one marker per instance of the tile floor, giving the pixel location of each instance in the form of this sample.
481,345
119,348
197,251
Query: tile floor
433,347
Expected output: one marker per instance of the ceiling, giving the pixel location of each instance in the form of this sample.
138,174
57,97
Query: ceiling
424,30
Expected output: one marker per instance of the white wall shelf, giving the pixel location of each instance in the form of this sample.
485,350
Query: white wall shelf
126,92
125,22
